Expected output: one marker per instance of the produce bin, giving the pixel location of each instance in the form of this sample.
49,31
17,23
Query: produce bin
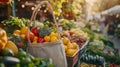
73,59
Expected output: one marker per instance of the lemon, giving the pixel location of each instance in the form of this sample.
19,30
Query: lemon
53,39
52,34
56,34
17,32
71,52
69,45
47,38
65,40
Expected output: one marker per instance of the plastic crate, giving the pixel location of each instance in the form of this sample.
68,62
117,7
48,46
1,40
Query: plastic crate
73,59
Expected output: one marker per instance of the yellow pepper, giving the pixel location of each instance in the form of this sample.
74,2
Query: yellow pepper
3,38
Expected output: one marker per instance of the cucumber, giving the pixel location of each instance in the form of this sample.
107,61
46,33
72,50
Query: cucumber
8,60
97,58
101,60
86,59
91,59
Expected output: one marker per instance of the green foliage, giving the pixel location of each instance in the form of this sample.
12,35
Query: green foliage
108,57
91,34
19,41
97,44
67,24
44,31
14,23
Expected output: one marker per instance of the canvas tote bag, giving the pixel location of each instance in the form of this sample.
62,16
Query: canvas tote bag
50,50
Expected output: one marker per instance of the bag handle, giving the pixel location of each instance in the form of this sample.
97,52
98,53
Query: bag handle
33,17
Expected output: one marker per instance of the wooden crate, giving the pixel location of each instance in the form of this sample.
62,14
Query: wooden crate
73,59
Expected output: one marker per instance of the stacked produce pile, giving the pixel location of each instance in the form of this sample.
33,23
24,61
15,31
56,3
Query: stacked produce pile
100,50
72,37
13,43
19,34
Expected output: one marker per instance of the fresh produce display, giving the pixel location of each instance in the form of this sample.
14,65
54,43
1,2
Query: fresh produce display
13,23
5,43
105,49
12,56
76,35
72,38
39,34
97,44
70,47
67,11
67,24
57,5
16,33
77,6
22,59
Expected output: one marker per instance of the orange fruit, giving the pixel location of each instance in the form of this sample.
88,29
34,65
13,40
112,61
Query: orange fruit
53,39
17,32
65,40
47,38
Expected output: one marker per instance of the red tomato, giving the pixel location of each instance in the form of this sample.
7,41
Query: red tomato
40,40
4,1
35,31
31,36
